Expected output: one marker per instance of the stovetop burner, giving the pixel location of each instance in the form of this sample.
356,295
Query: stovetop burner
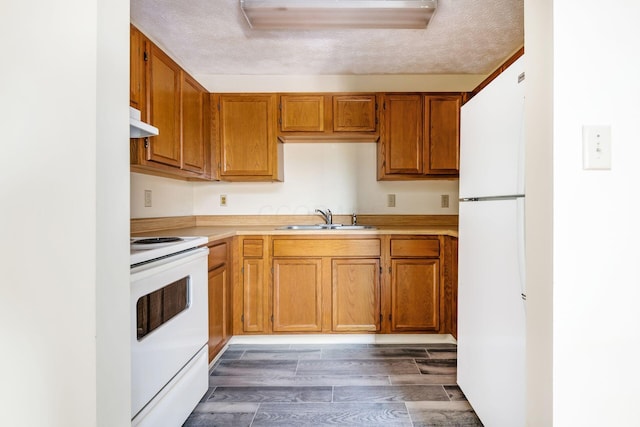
155,240
144,249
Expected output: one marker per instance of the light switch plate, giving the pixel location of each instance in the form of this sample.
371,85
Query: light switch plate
596,147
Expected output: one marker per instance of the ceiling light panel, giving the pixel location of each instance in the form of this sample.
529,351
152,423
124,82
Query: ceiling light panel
330,14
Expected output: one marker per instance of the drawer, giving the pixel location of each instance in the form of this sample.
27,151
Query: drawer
252,248
217,255
415,247
326,247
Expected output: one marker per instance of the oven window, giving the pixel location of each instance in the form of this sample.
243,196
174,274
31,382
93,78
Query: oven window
158,307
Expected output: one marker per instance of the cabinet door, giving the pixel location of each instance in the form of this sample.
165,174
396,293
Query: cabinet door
415,298
193,121
247,137
217,303
302,113
136,70
297,296
354,113
253,296
164,108
401,142
355,288
442,134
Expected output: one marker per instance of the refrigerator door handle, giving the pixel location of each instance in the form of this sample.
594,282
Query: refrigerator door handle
520,236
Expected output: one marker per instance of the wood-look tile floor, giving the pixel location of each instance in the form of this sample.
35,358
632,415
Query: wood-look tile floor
334,385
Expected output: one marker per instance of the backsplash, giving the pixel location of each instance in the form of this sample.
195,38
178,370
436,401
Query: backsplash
338,176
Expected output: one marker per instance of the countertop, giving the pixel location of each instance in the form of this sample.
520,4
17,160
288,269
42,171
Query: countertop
214,233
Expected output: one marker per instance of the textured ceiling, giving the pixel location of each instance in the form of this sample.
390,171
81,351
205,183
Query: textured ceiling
213,37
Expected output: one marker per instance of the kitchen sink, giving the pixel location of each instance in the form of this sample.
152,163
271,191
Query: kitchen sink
326,227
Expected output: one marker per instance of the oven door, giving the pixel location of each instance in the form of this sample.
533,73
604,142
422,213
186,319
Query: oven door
169,321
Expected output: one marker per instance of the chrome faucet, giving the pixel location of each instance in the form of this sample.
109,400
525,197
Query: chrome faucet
327,216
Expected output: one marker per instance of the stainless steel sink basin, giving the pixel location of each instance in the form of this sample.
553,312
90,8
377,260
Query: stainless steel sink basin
326,227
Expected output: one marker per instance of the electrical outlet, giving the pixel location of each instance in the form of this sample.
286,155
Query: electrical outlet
223,200
147,198
391,200
444,200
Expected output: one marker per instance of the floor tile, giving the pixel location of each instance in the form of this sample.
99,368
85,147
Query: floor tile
231,354
323,414
299,380
269,354
441,414
442,353
211,414
398,393
423,379
361,366
437,366
374,353
454,392
272,394
255,367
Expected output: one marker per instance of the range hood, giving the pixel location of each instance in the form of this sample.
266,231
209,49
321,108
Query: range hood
138,128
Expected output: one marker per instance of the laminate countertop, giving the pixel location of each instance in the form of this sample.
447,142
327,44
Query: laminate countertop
214,233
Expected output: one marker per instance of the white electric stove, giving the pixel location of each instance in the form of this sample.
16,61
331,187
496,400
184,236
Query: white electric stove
145,249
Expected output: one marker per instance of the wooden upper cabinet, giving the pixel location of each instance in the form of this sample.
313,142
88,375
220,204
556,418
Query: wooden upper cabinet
316,117
354,113
178,106
442,131
194,150
420,137
136,70
302,113
247,139
164,107
401,143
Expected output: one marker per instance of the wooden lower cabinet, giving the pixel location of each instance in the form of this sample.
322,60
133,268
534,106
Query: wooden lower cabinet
217,280
297,295
415,296
355,295
219,296
317,284
253,314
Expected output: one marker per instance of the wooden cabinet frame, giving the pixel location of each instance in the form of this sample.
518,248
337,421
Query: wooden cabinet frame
327,116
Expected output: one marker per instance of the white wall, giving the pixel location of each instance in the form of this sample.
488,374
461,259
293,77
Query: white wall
342,83
338,176
169,197
54,244
594,273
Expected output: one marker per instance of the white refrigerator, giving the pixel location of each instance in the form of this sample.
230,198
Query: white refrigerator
491,287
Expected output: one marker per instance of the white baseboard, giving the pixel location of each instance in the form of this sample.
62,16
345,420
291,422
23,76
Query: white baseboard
344,339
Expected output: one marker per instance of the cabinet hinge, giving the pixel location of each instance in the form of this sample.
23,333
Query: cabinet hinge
389,270
280,120
384,105
146,143
218,107
381,318
272,318
381,270
145,56
280,106
376,106
242,318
